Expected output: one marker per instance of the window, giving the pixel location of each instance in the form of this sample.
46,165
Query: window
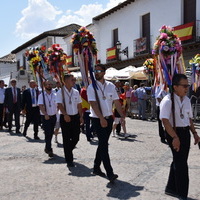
189,9
146,30
115,37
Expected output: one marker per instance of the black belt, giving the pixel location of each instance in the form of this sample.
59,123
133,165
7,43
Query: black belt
183,128
52,115
140,99
107,117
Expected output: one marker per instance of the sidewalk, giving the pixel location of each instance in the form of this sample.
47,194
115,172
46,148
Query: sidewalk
141,161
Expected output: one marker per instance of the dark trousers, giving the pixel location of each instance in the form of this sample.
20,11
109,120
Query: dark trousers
160,126
49,130
102,154
178,180
88,125
16,111
1,114
70,134
32,116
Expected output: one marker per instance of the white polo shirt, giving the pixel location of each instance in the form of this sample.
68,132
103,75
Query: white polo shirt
107,94
184,106
50,102
72,99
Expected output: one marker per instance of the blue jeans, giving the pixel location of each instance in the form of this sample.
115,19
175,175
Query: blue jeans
102,154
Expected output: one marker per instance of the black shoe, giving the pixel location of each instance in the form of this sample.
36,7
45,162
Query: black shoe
49,152
70,164
113,178
18,132
99,173
9,130
183,198
171,192
36,138
24,134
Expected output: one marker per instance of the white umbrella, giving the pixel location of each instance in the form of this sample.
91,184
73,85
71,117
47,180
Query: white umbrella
111,74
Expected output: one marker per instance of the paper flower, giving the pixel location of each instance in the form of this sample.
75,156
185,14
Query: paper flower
167,43
82,38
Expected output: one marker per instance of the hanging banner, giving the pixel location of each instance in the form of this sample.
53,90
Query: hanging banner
140,44
184,32
111,53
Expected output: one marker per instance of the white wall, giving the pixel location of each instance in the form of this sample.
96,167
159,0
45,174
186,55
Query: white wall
128,22
6,68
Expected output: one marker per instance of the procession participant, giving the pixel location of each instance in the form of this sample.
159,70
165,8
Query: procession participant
159,95
102,119
87,127
176,115
30,108
2,96
57,126
48,110
141,94
12,102
70,118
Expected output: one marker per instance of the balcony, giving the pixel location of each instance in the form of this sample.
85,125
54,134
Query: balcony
142,46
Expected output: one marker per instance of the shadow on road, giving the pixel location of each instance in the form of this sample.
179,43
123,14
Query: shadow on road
33,140
123,190
55,160
80,170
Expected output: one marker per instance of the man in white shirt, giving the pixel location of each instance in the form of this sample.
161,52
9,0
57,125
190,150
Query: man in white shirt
2,96
176,115
159,95
101,101
69,103
48,110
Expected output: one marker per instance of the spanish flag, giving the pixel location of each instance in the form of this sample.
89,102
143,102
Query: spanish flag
184,32
69,60
111,53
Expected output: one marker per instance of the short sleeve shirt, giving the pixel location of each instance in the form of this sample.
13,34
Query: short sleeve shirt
181,108
72,99
106,93
50,103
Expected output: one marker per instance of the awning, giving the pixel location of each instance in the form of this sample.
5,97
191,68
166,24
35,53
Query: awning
132,72
111,73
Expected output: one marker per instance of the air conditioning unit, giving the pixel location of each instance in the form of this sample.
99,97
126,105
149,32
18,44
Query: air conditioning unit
22,74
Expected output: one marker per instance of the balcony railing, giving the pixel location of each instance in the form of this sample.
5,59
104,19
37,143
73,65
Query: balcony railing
142,46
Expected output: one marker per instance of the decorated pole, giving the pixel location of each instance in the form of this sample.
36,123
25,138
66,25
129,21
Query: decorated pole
84,46
168,55
195,68
56,59
36,58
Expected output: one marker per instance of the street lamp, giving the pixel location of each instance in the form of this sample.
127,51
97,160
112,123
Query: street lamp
124,51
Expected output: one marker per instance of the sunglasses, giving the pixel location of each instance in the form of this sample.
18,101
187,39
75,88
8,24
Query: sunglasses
184,85
98,71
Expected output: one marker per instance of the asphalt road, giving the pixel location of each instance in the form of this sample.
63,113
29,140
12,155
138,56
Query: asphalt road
141,161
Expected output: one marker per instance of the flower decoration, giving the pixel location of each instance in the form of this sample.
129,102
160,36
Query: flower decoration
195,68
149,63
83,38
150,69
167,43
56,60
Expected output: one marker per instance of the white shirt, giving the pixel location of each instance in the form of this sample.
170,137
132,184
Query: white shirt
50,102
2,95
31,91
159,94
185,106
109,91
72,99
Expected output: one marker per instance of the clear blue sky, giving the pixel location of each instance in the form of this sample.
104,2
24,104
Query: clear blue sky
21,20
